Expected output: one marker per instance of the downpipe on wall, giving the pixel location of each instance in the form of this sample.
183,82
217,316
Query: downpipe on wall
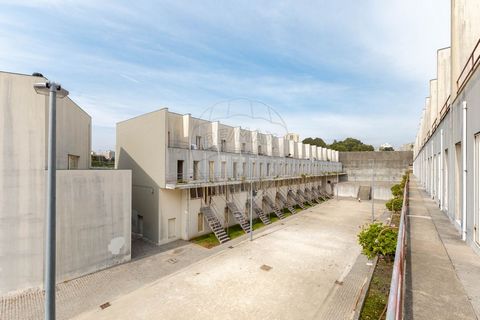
464,177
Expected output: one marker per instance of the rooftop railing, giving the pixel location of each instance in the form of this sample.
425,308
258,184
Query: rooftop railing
469,67
397,285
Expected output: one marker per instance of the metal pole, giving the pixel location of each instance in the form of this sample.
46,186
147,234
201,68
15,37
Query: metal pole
336,187
251,211
372,194
51,212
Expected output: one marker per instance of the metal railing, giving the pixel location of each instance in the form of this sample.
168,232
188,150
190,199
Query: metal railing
395,297
469,67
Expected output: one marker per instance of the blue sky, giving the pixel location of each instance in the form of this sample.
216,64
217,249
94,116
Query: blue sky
331,69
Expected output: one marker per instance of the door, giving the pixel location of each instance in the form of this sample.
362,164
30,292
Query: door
458,180
445,181
180,170
477,186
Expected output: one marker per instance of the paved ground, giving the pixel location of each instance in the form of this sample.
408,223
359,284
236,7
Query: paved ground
308,267
443,273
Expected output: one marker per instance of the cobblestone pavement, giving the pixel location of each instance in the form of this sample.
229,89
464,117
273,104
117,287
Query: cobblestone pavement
149,263
308,268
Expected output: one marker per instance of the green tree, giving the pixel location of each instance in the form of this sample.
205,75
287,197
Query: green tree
387,149
351,144
315,142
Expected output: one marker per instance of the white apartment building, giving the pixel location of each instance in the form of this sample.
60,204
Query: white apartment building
447,145
93,206
191,176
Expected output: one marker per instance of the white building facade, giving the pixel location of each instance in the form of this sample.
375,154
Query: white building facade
447,145
190,175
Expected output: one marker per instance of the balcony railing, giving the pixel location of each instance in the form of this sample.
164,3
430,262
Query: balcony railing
469,67
395,297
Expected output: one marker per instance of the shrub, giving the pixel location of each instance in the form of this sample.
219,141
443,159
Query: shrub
378,239
397,191
394,204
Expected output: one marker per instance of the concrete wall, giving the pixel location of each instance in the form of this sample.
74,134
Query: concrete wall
93,207
387,165
93,227
465,32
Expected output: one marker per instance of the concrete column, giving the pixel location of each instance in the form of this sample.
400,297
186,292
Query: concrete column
215,142
269,139
236,139
255,142
308,148
443,78
433,102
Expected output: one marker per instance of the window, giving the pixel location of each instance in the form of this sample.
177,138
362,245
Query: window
244,169
195,169
259,149
211,170
261,169
73,161
224,170
254,169
243,146
196,193
234,170
200,222
198,142
268,169
168,139
223,145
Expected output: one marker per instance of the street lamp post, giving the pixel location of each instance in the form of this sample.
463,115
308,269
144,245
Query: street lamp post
53,90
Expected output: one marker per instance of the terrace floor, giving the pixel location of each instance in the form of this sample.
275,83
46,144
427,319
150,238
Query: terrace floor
443,272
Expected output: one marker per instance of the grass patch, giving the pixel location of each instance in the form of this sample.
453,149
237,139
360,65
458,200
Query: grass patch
210,240
207,240
377,296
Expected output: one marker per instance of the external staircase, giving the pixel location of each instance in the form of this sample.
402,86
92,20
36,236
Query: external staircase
296,199
364,193
215,224
260,213
269,202
239,216
313,196
304,196
286,204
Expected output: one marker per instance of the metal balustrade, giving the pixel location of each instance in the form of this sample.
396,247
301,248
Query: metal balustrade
397,284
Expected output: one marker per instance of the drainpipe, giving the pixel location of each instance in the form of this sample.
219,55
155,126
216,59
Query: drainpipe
441,193
464,167
432,173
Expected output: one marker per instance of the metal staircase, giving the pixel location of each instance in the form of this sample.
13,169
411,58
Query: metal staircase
304,196
239,216
325,194
296,199
313,196
319,195
269,202
215,224
286,204
262,215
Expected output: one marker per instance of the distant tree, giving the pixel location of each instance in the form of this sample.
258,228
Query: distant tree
387,149
315,142
351,144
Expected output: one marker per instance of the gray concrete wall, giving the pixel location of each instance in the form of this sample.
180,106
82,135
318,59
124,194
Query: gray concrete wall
387,165
381,190
92,206
93,228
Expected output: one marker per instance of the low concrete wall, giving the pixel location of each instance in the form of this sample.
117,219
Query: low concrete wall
93,226
381,190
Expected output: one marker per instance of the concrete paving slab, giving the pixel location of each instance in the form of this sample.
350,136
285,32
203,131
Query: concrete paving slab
308,257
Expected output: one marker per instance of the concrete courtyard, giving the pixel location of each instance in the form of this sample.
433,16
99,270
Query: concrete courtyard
306,267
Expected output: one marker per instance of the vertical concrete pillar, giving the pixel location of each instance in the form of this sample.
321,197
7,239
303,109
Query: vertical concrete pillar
255,142
433,102
269,139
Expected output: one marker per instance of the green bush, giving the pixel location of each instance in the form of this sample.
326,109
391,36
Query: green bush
394,204
397,191
378,239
